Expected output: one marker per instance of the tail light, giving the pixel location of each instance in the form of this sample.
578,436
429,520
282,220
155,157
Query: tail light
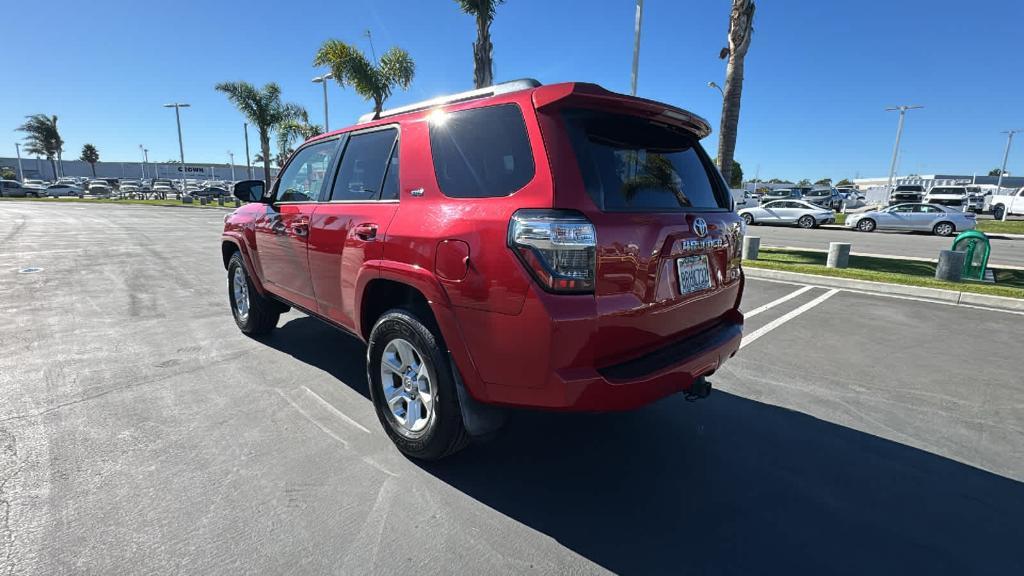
558,247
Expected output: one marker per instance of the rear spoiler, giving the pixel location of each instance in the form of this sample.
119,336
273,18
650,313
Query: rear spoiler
593,96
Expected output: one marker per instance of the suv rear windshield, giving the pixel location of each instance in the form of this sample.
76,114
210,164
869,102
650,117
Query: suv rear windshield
632,164
909,188
481,152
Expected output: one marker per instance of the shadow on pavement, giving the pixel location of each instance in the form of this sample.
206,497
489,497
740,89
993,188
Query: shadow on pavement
734,486
329,349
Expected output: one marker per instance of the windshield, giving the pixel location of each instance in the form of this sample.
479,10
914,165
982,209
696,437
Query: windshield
632,164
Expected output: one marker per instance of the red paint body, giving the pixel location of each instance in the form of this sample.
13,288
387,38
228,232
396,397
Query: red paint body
512,342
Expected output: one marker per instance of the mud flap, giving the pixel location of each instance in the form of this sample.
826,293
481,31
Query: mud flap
479,419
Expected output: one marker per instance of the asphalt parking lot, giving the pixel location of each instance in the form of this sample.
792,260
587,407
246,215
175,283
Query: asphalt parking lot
141,433
897,244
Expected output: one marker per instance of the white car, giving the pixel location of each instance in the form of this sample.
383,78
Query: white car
938,220
62,189
99,188
803,214
1012,204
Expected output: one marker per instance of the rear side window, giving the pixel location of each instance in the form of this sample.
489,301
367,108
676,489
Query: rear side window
632,164
363,166
481,152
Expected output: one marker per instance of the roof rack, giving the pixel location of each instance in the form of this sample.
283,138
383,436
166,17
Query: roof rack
494,90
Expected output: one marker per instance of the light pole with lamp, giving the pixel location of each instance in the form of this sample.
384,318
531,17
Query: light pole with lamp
142,164
248,162
21,173
231,157
636,42
715,85
896,149
323,80
181,147
1006,155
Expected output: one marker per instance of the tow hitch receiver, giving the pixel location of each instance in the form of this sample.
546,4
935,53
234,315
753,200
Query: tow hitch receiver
700,389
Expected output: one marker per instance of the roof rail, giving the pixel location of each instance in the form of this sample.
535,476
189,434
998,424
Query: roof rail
494,90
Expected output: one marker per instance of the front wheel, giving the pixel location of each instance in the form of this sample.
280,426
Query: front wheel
412,387
806,221
254,314
866,225
943,229
748,219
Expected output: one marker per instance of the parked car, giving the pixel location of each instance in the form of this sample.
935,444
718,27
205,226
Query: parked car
619,286
31,183
1012,204
781,194
826,197
128,189
952,197
798,212
906,193
15,189
210,192
99,188
61,189
939,220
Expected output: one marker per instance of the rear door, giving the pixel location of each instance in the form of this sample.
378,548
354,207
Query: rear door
898,218
282,230
347,230
665,234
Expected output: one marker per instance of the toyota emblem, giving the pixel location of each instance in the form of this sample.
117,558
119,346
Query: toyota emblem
700,227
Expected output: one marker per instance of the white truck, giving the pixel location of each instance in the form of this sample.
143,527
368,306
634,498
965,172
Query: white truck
1011,204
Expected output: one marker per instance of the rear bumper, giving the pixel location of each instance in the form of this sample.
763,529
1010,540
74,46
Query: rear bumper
560,361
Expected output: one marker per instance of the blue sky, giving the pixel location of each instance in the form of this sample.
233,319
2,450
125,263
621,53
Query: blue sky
818,75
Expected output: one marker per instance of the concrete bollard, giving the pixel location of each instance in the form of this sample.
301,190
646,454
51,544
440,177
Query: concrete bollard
186,199
220,200
238,203
951,265
203,200
838,255
751,246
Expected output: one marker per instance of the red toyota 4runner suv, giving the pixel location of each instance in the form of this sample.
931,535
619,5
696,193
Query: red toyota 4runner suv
558,246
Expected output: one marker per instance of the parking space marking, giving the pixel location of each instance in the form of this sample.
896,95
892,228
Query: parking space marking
335,411
776,302
307,415
786,318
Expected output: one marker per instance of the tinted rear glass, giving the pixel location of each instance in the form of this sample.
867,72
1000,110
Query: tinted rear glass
629,163
481,152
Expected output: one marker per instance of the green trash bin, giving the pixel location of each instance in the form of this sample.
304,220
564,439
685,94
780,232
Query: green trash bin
977,247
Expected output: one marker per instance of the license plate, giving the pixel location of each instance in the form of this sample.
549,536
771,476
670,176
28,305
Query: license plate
694,274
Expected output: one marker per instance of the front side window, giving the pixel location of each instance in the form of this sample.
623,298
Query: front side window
363,166
481,152
304,177
630,163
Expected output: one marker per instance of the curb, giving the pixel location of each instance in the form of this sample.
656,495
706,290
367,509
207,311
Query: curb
937,294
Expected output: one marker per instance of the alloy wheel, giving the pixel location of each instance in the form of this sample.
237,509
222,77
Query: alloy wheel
240,291
408,389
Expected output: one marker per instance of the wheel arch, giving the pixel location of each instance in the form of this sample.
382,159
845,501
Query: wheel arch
231,244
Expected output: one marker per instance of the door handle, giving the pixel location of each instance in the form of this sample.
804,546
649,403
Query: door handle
365,231
300,226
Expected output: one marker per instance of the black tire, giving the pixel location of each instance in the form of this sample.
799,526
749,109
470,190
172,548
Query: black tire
445,432
263,313
806,221
944,229
997,212
749,219
866,225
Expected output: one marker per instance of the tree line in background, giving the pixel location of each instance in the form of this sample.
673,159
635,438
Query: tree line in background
375,79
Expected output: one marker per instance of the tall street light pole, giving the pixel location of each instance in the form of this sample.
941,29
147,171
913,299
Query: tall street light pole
231,157
142,164
636,41
323,80
896,149
21,173
181,147
715,85
1006,155
248,162
145,160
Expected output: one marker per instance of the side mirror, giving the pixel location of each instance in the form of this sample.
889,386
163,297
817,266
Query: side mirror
249,191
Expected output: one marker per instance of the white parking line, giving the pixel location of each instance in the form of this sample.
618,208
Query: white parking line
753,336
337,412
775,303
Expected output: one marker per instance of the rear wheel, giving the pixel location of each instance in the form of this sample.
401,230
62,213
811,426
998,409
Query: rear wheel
748,218
412,387
254,314
943,229
866,225
806,221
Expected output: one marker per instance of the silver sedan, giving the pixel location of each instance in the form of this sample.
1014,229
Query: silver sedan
939,220
803,214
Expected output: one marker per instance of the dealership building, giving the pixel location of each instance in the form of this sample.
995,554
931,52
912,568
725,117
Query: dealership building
927,181
42,169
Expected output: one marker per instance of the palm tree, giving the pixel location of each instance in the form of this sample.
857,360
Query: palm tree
483,64
91,155
373,81
292,129
264,109
42,138
741,28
